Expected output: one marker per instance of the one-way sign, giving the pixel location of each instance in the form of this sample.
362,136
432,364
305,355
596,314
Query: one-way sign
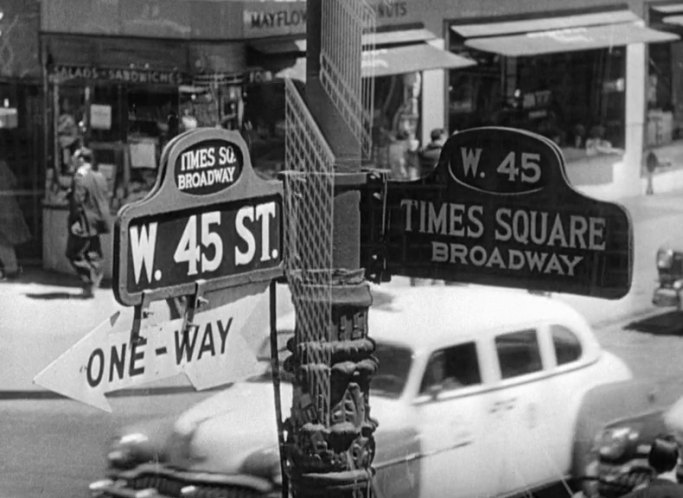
218,348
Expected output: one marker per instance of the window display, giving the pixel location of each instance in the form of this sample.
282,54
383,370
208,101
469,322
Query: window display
573,98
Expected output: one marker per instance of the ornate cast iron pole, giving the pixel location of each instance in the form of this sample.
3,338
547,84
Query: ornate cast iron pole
330,442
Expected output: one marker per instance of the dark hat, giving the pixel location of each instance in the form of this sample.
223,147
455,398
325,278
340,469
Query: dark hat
663,453
436,134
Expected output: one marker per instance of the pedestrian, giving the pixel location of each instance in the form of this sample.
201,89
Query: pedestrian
89,217
663,458
430,153
651,163
13,228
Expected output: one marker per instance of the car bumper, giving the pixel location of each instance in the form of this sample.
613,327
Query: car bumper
618,479
158,481
666,296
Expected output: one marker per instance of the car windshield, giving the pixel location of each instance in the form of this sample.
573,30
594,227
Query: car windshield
388,381
392,373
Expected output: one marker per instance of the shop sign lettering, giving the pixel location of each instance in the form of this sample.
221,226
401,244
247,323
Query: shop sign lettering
290,16
390,9
66,73
498,210
278,19
208,169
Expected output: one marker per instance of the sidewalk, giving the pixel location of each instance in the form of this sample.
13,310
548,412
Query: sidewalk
42,314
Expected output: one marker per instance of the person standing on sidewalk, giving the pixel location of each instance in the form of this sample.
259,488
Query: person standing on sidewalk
430,153
89,217
13,227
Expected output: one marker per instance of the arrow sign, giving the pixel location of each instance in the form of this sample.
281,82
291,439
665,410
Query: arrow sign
214,351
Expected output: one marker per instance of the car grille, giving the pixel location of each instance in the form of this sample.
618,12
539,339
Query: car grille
172,487
615,482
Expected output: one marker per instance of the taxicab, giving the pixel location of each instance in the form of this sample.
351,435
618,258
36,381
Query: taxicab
479,392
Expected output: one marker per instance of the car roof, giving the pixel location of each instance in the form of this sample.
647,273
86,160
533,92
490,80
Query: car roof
433,315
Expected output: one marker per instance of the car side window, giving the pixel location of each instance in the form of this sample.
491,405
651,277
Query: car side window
452,368
518,353
566,344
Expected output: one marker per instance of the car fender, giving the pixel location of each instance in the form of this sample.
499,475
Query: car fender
604,405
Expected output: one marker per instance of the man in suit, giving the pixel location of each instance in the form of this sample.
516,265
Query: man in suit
89,217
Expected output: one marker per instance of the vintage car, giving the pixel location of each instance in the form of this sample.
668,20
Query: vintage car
669,276
479,392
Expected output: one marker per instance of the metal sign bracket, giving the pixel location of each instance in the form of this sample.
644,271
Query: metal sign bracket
141,312
195,301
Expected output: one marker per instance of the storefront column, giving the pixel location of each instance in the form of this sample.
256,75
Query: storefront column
627,178
434,106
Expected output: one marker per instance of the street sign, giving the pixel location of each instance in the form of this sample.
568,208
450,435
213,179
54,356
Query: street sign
218,348
498,210
209,217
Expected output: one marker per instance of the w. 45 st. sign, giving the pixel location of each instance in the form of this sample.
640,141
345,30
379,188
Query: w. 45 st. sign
498,210
209,218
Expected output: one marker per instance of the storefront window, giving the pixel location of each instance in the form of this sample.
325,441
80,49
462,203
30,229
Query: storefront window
264,125
576,99
397,123
664,119
68,113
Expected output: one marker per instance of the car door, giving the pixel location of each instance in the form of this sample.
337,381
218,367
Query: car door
451,417
515,412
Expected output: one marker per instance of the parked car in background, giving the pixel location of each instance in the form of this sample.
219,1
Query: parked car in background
479,392
669,262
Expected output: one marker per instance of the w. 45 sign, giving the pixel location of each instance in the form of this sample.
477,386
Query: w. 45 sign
209,218
224,240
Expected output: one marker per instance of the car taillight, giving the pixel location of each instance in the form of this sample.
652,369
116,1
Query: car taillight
665,259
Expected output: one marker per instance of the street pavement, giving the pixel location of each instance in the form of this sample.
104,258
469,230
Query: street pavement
42,313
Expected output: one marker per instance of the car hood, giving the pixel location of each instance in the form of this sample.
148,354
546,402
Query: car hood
235,431
673,418
222,432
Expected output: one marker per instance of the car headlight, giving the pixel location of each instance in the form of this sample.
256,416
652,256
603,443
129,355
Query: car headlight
127,450
616,442
264,463
665,258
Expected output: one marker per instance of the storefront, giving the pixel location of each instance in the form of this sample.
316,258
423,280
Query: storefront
125,97
562,75
664,98
20,117
397,57
133,73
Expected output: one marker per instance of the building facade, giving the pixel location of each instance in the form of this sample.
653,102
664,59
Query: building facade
21,105
601,78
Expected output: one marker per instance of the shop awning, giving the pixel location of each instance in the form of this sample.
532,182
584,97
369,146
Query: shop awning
396,52
560,34
408,59
677,20
396,37
669,8
390,61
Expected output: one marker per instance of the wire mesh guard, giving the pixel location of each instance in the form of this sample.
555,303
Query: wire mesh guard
309,191
347,28
7,55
